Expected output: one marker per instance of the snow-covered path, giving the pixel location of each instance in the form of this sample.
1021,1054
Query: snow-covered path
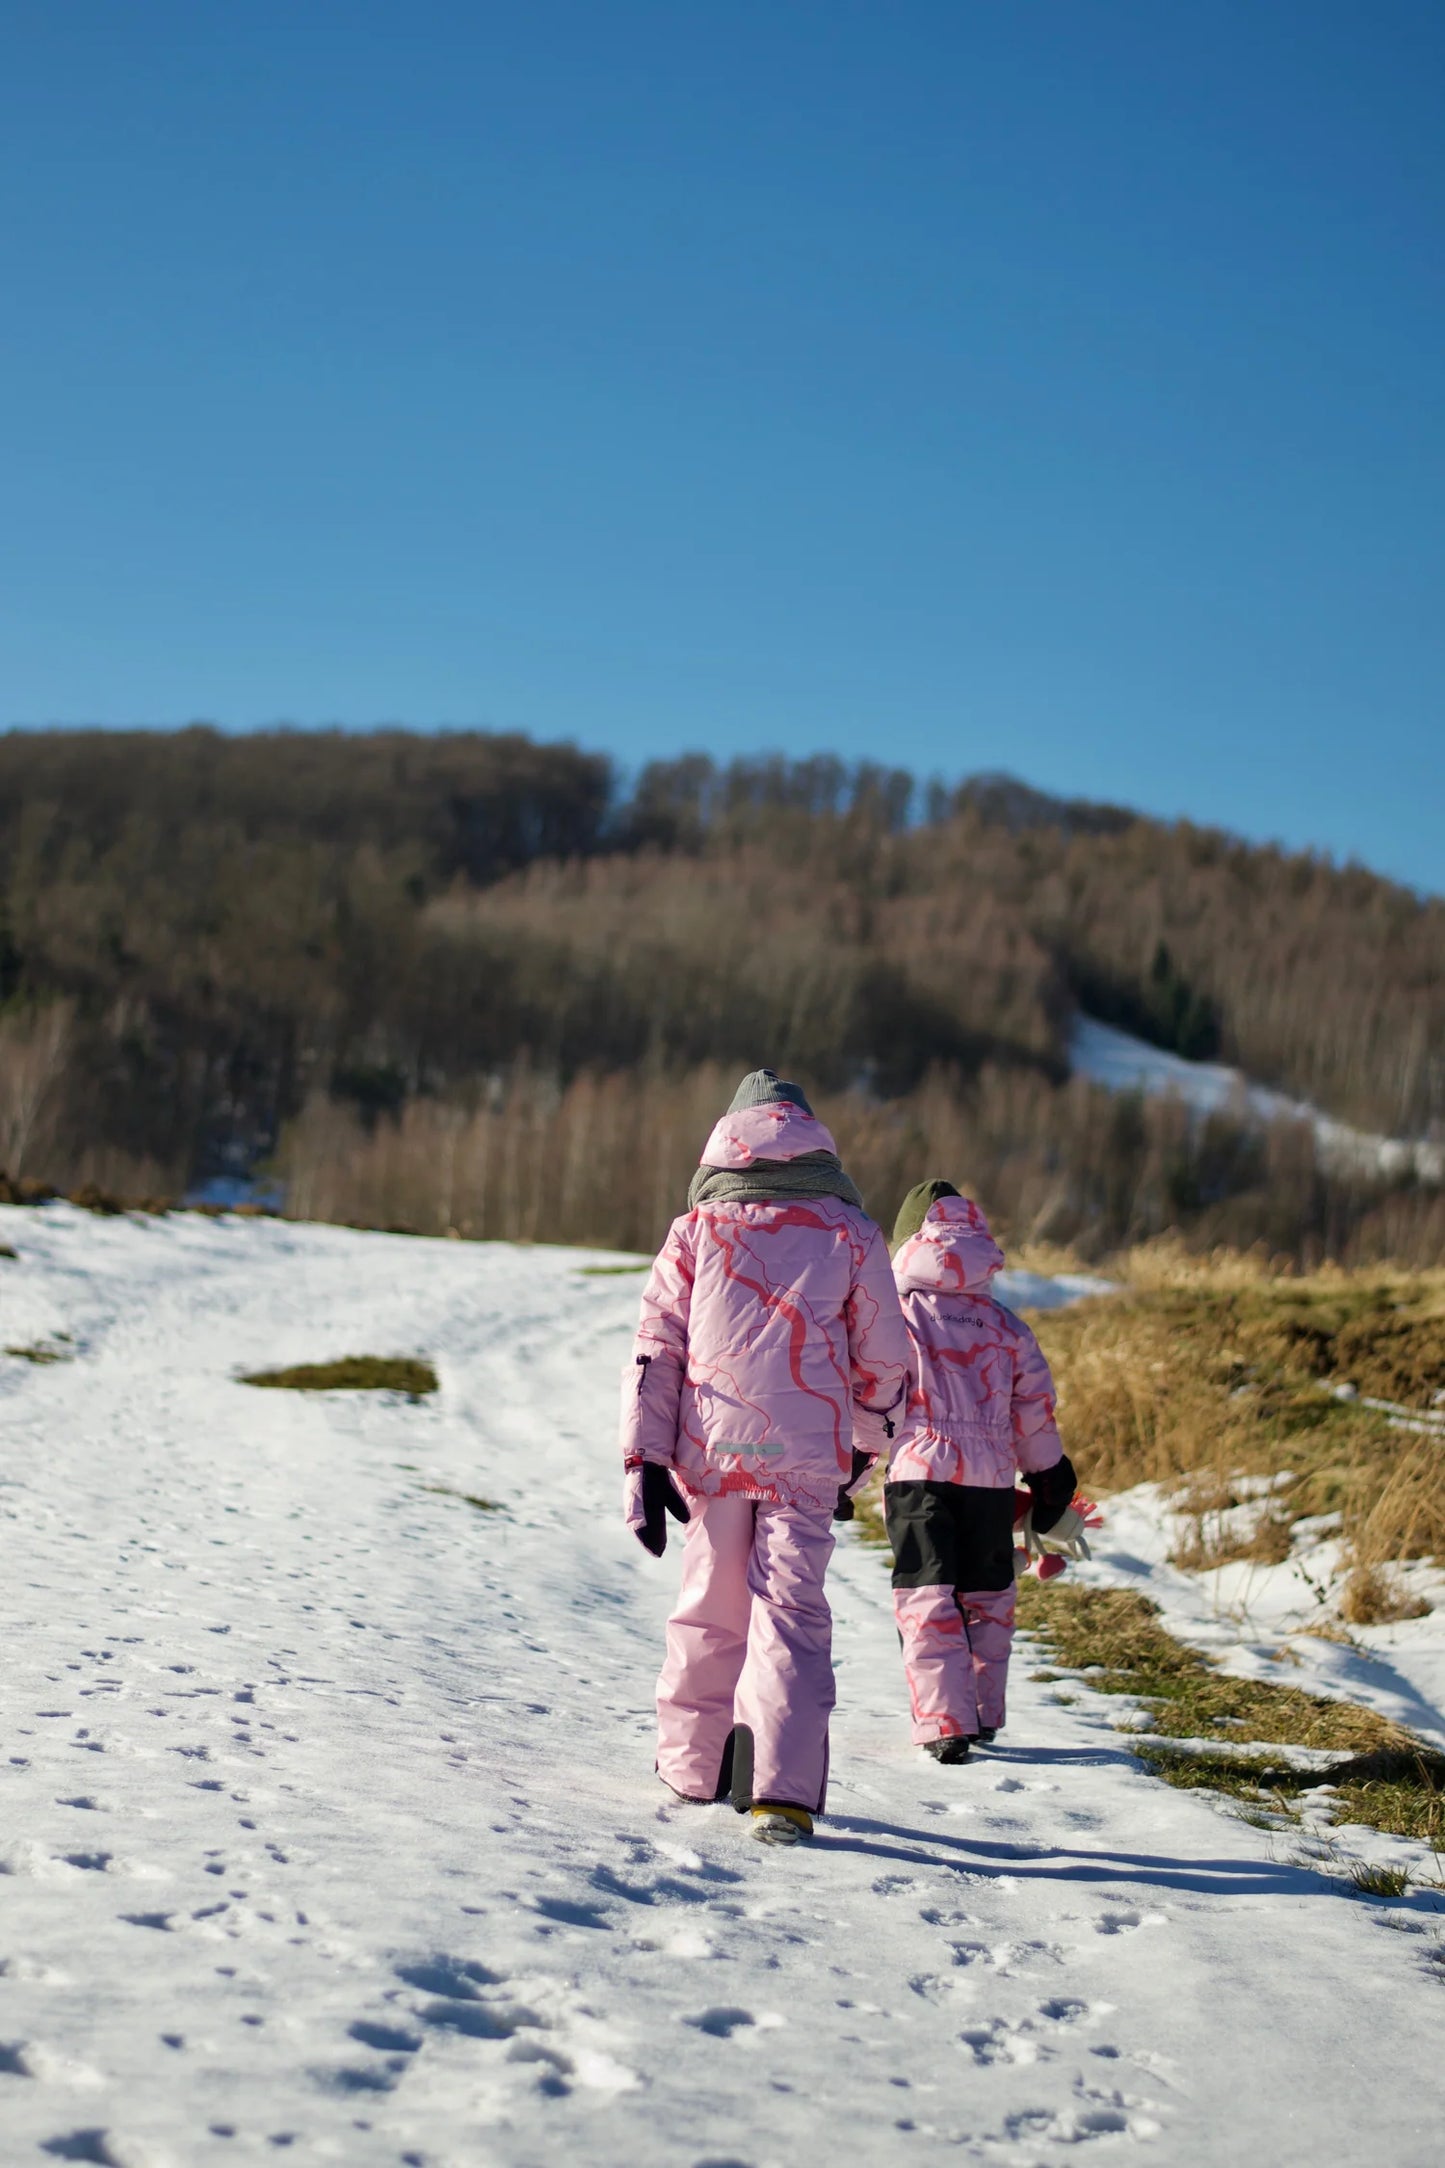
328,1831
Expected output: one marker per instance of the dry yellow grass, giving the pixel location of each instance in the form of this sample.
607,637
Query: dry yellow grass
1373,1596
1201,1371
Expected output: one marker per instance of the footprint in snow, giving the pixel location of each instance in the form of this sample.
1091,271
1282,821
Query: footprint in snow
363,2078
1003,1957
554,2069
460,2007
566,1912
721,2021
1099,2115
1124,1923
386,2039
1064,2129
455,1978
83,2145
481,2020
1068,2010
670,1889
997,2042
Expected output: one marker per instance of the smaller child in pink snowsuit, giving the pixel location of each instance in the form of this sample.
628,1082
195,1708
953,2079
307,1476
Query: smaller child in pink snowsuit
770,1355
982,1409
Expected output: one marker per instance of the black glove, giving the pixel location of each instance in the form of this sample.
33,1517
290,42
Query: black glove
862,1462
660,1496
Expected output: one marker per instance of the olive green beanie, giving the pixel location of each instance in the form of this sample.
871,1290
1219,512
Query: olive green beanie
914,1209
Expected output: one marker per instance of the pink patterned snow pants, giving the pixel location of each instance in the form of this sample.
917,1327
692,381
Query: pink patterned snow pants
956,1646
750,1642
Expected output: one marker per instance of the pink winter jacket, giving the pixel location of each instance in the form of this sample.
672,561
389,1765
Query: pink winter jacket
982,1405
771,1339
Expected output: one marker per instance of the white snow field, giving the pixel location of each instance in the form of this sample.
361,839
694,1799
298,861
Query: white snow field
329,1832
1121,1062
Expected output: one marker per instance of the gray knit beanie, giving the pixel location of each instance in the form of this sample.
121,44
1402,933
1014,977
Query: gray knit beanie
763,1088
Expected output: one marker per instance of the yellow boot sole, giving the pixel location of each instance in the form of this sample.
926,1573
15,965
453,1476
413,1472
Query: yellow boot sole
782,1825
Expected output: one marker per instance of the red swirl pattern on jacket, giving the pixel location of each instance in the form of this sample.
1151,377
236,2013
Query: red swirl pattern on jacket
982,1402
770,1337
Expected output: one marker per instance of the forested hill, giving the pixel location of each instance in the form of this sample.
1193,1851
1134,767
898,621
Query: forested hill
203,937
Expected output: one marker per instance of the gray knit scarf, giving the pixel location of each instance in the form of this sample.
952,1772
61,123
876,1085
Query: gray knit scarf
768,1181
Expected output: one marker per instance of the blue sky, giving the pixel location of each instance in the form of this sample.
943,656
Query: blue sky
1052,386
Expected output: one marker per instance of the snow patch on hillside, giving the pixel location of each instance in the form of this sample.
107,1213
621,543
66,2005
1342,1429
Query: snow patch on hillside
1120,1062
1021,1290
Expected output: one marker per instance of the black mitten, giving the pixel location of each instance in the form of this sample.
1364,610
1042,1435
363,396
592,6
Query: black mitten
660,1496
1052,1489
862,1462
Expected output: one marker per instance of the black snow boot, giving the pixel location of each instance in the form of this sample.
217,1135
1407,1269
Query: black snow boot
986,1734
947,1750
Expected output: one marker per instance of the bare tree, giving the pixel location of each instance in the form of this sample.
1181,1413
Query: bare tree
35,1050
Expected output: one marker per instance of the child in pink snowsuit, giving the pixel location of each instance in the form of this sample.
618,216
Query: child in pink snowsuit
770,1356
981,1408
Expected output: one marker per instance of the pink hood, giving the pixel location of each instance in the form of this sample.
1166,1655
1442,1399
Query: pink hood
778,1130
952,1252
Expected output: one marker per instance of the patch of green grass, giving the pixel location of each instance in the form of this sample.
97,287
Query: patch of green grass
1405,1799
1240,1776
1117,1637
468,1498
1259,1817
407,1374
7,1252
1387,1780
1375,1881
1406,1806
609,1272
39,1354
